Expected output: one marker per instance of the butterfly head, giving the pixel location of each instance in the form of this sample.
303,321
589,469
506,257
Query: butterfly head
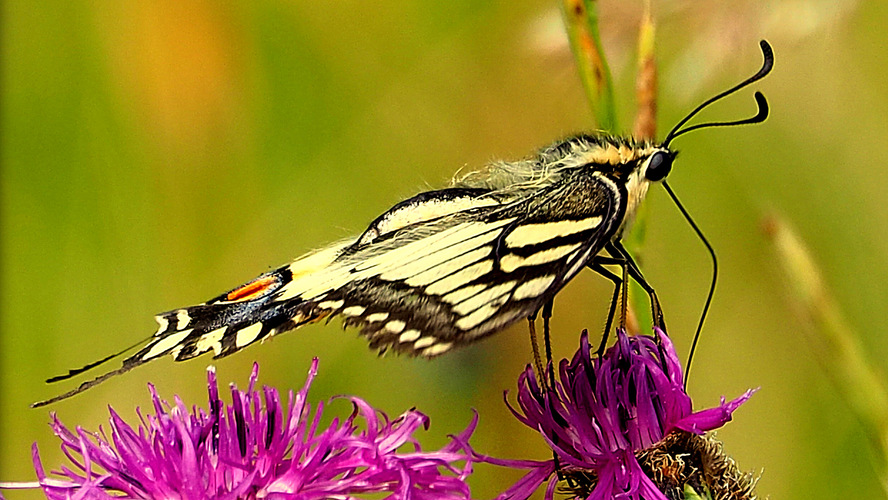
657,165
652,164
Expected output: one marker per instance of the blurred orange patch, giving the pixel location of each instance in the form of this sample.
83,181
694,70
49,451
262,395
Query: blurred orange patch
253,289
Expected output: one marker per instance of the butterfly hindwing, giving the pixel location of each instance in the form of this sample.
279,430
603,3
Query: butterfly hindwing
439,270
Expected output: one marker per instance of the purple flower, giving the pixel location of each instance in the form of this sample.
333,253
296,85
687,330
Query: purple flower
252,448
602,413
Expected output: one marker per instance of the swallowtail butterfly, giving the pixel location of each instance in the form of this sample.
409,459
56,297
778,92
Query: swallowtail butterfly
446,268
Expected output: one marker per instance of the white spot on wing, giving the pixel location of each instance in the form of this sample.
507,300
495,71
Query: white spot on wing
502,318
331,304
247,335
211,340
395,326
376,317
175,352
578,263
297,320
163,345
409,336
182,319
163,322
512,262
533,288
354,310
424,342
532,234
437,349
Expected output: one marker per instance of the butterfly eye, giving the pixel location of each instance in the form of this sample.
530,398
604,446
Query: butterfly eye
658,167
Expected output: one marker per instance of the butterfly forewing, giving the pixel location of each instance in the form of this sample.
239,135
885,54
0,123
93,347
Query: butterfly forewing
441,269
436,271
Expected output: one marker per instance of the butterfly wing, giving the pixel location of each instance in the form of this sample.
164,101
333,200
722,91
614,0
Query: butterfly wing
482,272
448,267
439,270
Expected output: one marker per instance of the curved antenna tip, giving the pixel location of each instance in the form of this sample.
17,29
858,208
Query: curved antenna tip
767,65
768,54
763,107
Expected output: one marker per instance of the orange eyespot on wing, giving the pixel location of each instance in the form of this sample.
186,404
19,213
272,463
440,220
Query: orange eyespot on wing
254,289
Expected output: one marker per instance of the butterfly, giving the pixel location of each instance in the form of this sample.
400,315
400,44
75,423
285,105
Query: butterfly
448,267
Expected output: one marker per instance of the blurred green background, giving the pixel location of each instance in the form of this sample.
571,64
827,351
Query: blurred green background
155,154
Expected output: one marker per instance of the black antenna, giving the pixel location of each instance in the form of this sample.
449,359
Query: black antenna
760,116
767,65
711,251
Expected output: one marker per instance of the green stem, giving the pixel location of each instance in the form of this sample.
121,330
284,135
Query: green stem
581,22
645,128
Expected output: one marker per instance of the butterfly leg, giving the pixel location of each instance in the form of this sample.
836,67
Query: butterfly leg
616,250
537,362
547,314
597,265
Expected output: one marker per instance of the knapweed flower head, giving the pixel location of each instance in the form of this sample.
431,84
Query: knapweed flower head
602,413
253,448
